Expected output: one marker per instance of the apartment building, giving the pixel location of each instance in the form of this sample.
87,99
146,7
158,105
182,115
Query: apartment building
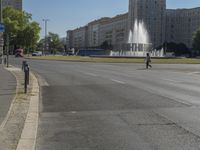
114,31
162,25
152,13
94,32
78,38
181,25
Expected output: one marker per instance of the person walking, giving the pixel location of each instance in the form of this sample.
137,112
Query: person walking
148,61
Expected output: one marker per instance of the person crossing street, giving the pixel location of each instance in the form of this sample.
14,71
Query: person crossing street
148,61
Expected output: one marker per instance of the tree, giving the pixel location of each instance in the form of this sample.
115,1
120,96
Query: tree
21,30
105,45
31,35
196,40
179,49
41,44
53,41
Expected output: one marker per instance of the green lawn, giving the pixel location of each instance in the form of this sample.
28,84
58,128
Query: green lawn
120,60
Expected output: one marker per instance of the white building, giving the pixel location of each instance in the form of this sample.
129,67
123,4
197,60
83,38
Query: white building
181,24
78,38
152,13
114,31
94,32
162,25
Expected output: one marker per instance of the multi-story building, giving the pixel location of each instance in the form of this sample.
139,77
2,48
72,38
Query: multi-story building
152,13
69,39
114,31
162,25
94,32
78,38
18,4
181,25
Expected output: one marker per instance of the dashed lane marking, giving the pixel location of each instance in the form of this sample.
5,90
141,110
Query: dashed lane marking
121,82
91,74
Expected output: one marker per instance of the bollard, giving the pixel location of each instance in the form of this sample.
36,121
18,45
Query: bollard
23,64
25,82
26,76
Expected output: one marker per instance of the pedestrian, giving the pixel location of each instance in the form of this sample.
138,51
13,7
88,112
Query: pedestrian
148,61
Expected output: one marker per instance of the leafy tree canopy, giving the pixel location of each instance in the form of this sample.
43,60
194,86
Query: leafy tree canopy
53,41
196,40
21,30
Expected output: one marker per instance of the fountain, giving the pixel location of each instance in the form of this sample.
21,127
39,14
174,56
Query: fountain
139,39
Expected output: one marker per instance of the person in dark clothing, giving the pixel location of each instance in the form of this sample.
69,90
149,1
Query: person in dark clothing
148,61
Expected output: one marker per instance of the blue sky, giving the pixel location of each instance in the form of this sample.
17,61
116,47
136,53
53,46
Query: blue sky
69,14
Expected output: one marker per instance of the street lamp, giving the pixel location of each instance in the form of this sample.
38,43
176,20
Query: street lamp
45,21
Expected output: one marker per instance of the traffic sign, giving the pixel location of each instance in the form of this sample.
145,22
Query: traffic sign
2,27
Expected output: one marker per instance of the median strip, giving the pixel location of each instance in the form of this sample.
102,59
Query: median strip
108,59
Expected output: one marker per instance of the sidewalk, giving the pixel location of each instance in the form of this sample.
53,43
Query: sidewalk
7,91
19,127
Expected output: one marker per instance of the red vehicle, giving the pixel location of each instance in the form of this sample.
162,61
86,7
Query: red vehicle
19,53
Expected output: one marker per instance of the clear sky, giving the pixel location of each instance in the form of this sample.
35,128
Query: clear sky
69,14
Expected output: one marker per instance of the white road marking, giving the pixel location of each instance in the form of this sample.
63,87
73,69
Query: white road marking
191,73
90,74
170,80
121,82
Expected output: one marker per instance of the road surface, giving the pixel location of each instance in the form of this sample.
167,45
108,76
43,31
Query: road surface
104,106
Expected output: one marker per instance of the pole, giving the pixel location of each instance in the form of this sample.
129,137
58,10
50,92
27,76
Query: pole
45,22
26,76
1,34
7,49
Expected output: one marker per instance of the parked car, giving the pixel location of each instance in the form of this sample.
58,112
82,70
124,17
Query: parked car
37,53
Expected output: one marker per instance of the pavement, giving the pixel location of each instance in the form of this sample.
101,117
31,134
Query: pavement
7,91
19,126
105,106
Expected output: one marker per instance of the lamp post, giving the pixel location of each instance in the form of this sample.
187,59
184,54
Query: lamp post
45,21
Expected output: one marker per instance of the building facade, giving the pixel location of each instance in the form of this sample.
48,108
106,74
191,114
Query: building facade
94,32
18,4
78,38
114,31
181,25
163,25
152,13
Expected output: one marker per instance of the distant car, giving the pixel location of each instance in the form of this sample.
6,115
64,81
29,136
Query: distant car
37,54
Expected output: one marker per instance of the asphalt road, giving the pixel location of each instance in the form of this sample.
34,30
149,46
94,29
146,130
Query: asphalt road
100,106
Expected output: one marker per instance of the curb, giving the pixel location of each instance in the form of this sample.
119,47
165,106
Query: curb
29,133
